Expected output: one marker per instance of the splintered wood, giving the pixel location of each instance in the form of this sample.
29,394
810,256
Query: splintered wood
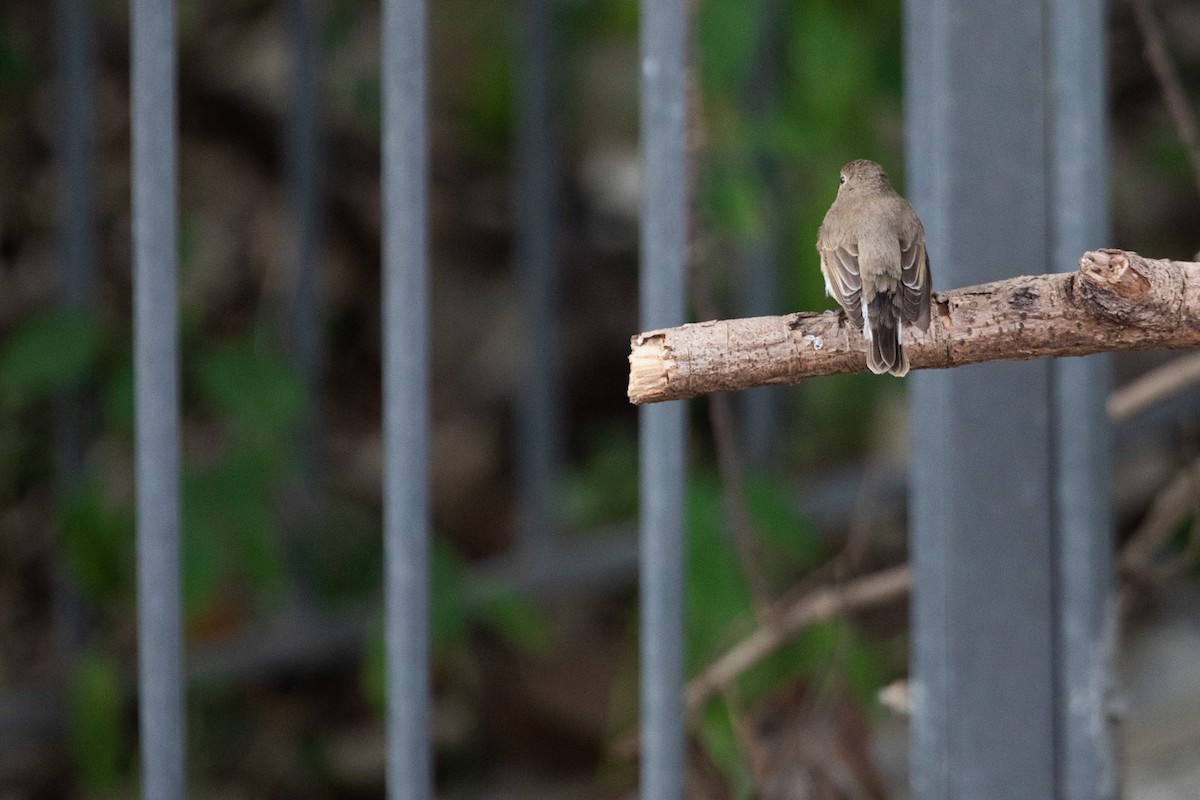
1116,301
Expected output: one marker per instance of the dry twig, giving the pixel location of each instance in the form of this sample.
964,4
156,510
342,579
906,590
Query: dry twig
870,590
1168,79
1170,505
1153,387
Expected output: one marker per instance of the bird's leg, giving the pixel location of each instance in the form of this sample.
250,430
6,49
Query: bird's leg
843,318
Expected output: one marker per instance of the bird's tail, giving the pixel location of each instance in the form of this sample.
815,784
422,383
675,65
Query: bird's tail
884,330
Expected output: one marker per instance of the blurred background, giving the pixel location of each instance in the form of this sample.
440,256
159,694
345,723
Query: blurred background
535,603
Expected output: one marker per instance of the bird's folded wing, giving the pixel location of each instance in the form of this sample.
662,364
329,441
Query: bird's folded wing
841,267
914,274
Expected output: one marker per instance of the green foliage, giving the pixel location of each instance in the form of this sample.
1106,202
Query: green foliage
367,101
837,411
254,392
720,608
582,20
717,597
230,523
17,72
229,528
12,444
516,619
95,712
458,606
229,520
341,552
786,535
734,197
47,354
451,610
338,24
771,170
117,396
604,488
1165,155
485,42
98,536
720,612
718,736
728,36
830,648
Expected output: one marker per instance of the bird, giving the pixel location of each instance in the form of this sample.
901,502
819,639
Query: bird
875,264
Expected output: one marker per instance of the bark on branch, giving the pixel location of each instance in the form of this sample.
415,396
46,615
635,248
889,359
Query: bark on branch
1116,301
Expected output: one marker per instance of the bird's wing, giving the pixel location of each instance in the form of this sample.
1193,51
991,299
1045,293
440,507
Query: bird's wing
840,264
914,274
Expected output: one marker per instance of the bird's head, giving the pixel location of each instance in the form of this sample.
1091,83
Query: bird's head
861,173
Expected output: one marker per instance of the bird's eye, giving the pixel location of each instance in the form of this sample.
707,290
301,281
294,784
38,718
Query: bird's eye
841,179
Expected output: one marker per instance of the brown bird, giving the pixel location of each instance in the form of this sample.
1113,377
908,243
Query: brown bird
873,257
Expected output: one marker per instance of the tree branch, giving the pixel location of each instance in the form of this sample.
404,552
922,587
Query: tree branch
1155,386
1168,78
1116,301
865,592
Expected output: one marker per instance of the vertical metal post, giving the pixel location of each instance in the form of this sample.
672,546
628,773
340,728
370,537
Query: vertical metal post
1004,494
303,138
1085,580
662,451
304,179
156,366
535,201
75,193
405,398
758,259
75,205
76,241
759,269
304,304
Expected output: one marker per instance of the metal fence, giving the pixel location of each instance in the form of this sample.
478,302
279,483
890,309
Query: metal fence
1011,543
1010,536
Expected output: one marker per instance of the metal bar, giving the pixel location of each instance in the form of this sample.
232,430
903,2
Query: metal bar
757,258
75,192
405,396
304,312
76,242
535,201
662,450
156,365
983,512
304,179
1087,611
1013,607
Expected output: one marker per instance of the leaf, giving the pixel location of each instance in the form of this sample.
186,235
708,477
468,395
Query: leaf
256,392
17,70
96,715
337,27
450,604
733,198
48,354
517,619
720,740
116,396
202,545
230,529
772,507
486,107
605,488
99,541
727,32
717,595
